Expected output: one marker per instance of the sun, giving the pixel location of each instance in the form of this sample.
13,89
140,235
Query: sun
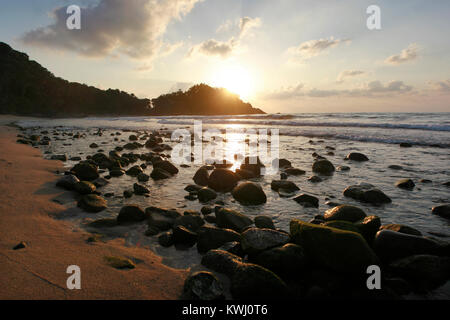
235,79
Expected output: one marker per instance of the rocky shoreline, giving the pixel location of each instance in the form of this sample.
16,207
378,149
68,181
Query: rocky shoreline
326,257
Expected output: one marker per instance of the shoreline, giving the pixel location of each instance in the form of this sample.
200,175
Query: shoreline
38,271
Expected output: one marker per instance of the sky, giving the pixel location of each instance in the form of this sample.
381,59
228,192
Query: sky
287,56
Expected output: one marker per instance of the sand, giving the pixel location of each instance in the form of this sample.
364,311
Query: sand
27,187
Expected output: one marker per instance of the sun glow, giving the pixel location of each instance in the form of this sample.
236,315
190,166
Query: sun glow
236,80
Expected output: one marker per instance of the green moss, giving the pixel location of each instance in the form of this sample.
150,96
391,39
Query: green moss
342,225
119,262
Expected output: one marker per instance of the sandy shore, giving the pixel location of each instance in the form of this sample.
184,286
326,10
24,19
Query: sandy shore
39,270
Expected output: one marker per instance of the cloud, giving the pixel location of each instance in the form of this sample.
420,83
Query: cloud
227,25
133,27
441,86
225,49
370,89
313,48
408,54
348,74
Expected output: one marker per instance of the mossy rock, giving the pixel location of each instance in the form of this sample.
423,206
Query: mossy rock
119,262
339,250
342,225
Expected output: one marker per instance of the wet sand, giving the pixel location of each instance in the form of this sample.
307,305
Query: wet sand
27,187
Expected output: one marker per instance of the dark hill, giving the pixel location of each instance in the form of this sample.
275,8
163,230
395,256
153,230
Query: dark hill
27,88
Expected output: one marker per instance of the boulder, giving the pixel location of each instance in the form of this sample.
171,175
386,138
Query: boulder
249,193
233,247
287,261
356,156
191,222
442,211
255,240
166,239
307,201
339,250
134,171
212,237
92,203
405,184
166,166
140,189
221,261
342,225
315,179
323,166
368,227
184,236
366,193
264,222
253,165
222,180
142,177
162,219
159,174
390,245
289,186
67,182
401,228
131,214
206,194
251,281
230,219
284,163
84,187
203,285
100,182
345,212
85,171
201,177
294,171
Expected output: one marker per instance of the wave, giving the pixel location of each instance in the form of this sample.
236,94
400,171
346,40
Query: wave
426,127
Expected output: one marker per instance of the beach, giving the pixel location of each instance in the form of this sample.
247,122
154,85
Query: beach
128,197
27,187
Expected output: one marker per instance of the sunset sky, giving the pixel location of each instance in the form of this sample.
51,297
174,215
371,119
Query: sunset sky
280,55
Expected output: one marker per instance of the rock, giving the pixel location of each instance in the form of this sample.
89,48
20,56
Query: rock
142,177
390,245
255,240
315,179
119,262
367,193
212,237
85,171
60,157
67,182
323,166
395,167
249,193
230,219
307,200
222,180
356,156
345,213
159,174
287,261
192,188
205,210
92,203
233,247
127,194
140,189
206,194
103,223
442,211
134,171
184,236
343,168
133,137
401,228
447,184
289,186
100,182
284,163
342,225
425,181
161,218
264,222
405,184
191,222
166,166
368,227
203,285
152,231
201,177
221,261
251,281
405,145
131,214
93,145
425,271
116,172
342,251
166,239
20,245
294,171
253,165
84,187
